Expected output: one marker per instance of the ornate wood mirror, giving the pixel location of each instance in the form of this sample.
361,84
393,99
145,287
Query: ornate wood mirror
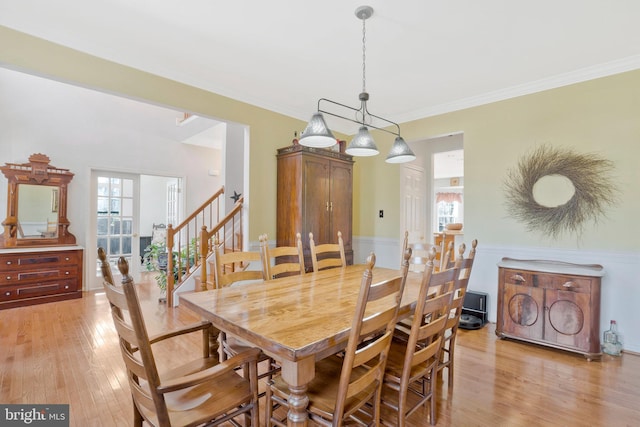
36,204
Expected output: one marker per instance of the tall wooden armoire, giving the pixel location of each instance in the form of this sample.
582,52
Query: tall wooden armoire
314,195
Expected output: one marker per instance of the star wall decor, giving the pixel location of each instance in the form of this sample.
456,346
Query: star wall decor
236,196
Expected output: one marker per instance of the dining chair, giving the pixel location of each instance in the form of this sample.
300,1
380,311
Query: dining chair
405,245
105,267
281,261
420,256
327,255
410,375
347,386
421,252
233,267
203,391
464,266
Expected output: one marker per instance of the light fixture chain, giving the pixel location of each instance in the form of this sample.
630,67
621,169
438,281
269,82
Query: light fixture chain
364,56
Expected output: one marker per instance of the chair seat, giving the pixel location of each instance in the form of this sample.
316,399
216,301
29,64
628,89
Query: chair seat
322,391
395,363
204,402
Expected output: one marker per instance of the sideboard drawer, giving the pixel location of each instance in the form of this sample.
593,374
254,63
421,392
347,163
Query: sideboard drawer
559,282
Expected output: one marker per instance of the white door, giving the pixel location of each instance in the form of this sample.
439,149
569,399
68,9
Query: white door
413,203
114,224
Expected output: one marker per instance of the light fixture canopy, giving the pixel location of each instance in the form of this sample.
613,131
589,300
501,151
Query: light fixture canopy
317,133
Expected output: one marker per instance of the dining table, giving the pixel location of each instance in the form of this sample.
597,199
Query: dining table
296,320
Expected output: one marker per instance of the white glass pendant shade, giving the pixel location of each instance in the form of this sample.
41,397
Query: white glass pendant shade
400,152
362,144
317,133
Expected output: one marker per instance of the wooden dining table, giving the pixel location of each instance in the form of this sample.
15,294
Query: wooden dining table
296,320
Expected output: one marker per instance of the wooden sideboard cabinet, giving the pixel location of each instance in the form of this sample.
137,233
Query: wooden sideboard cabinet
39,275
550,303
314,195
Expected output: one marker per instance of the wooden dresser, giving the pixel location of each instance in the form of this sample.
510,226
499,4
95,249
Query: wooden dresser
38,275
550,303
314,195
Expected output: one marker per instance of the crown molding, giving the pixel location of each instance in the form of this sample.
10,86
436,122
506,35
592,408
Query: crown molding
584,74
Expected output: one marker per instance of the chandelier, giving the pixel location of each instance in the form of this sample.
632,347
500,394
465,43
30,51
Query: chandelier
317,133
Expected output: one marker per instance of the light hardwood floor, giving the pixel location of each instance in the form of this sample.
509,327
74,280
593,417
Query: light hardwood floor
67,352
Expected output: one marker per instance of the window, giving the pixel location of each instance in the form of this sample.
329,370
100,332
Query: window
173,206
448,209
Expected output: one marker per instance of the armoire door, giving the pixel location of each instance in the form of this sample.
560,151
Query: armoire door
340,204
316,199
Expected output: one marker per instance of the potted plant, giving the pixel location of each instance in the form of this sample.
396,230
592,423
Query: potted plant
155,259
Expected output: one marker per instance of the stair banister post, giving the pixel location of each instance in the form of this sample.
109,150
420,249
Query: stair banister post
204,251
170,276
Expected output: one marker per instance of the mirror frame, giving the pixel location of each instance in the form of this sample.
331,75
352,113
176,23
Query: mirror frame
37,172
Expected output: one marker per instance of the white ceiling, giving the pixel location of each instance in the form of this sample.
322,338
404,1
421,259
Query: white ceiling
423,57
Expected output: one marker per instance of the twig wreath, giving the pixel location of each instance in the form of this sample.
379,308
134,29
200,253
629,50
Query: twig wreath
590,176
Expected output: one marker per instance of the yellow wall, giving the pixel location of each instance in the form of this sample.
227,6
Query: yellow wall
601,116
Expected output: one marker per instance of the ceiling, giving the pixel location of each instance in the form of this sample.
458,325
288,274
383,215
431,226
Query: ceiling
422,57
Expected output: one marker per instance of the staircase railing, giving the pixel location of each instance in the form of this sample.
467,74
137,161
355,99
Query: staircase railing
184,243
227,234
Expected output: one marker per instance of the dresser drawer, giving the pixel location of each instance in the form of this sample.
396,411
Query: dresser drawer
14,277
32,260
54,287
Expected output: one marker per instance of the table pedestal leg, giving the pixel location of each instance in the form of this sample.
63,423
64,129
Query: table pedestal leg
298,402
298,375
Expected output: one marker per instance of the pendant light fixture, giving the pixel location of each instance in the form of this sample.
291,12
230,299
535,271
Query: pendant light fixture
317,133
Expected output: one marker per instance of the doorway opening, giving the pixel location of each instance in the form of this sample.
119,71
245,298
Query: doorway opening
128,207
448,188
426,208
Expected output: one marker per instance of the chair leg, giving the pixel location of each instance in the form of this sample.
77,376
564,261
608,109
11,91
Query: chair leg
452,346
268,406
432,394
137,416
272,403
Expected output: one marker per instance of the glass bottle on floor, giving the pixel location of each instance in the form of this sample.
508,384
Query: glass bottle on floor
612,342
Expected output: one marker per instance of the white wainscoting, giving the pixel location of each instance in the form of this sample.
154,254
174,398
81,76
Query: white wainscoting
620,284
